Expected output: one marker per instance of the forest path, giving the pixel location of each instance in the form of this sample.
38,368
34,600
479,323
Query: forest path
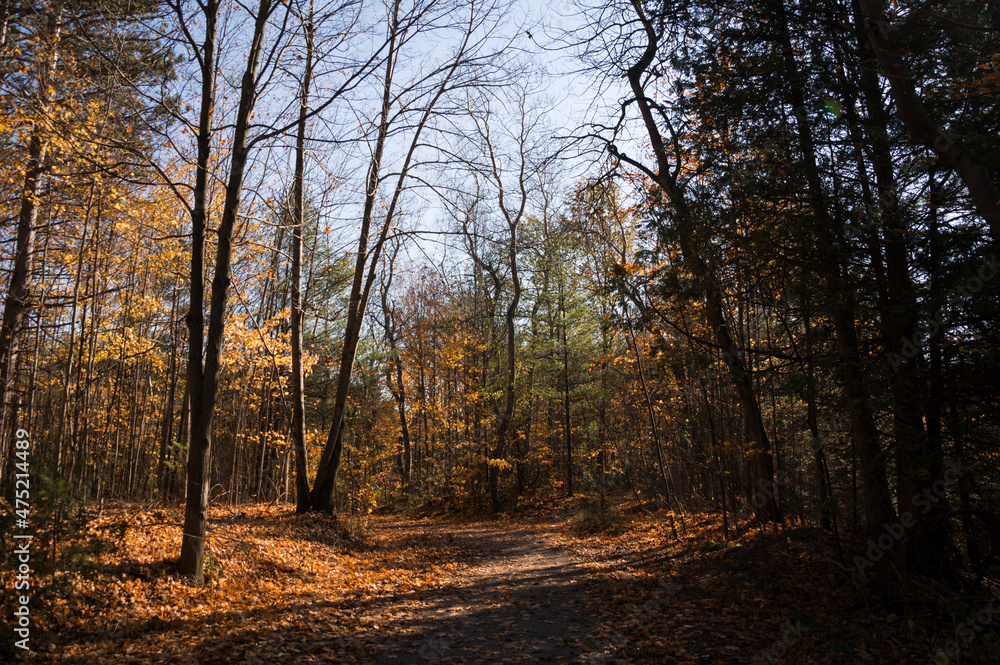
288,588
283,587
509,597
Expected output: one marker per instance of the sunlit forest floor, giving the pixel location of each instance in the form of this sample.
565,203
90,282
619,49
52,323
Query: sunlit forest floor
568,584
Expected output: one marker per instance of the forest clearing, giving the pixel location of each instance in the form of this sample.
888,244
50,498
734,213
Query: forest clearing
406,331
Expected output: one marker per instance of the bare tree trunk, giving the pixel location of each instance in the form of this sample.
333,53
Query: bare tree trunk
367,261
397,389
298,381
205,379
824,510
503,431
764,500
567,430
329,464
64,420
654,430
192,556
167,429
18,298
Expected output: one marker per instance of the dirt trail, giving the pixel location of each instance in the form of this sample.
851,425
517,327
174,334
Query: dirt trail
291,590
512,598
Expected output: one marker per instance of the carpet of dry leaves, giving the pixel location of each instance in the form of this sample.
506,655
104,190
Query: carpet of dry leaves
674,590
630,587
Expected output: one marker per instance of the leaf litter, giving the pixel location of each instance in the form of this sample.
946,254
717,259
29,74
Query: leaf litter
553,588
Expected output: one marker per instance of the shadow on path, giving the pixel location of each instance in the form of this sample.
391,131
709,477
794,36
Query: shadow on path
469,593
513,599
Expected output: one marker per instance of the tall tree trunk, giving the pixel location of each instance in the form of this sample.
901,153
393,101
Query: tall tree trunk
329,464
396,386
764,500
18,300
298,380
506,418
367,261
64,420
205,379
510,377
824,510
167,429
654,430
192,556
877,500
567,429
919,459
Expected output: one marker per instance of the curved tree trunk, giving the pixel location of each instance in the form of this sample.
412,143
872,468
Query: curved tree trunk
764,497
918,122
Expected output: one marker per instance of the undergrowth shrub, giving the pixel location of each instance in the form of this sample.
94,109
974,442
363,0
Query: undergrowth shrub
597,520
61,548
